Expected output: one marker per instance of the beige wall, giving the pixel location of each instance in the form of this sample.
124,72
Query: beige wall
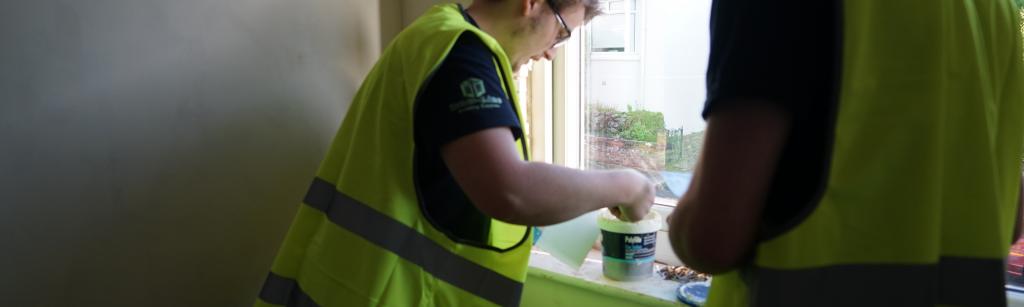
154,152
396,14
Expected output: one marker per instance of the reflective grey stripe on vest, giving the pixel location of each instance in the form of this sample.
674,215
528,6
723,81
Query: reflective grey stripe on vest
279,290
953,281
405,242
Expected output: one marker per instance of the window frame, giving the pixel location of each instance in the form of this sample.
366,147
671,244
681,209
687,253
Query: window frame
636,37
554,108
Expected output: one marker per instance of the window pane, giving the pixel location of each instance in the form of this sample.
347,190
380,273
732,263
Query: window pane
643,112
608,33
616,6
1015,266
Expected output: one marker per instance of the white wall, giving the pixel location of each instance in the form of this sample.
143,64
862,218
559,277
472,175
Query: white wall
675,60
668,74
154,152
615,81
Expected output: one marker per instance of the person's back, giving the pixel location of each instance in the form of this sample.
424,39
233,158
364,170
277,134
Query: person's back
426,195
360,239
906,193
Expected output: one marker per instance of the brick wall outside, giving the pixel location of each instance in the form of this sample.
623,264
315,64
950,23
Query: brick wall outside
612,153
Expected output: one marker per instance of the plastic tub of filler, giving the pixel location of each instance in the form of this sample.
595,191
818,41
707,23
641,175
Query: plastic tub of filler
628,247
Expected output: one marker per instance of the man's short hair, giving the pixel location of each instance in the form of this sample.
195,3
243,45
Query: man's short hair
592,8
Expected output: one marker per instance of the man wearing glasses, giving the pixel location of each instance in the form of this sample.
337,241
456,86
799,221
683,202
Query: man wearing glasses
427,195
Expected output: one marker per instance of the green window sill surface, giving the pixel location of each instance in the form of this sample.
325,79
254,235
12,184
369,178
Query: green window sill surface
552,283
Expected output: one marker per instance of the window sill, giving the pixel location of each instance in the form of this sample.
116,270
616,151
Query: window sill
1014,296
552,283
616,56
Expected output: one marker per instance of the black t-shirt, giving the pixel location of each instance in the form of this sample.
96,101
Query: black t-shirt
464,95
787,53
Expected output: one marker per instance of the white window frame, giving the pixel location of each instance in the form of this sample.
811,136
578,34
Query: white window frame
555,108
632,52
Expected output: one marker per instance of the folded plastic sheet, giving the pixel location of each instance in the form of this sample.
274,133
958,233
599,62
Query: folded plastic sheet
570,241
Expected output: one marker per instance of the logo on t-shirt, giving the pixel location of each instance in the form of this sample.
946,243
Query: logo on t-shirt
475,97
473,88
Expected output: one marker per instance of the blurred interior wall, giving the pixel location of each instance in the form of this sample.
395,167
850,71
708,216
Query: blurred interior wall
153,153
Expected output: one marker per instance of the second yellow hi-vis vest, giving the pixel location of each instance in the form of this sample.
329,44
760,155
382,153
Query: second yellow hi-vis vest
360,238
921,196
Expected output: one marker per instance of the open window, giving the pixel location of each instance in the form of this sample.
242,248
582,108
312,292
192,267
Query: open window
625,99
627,91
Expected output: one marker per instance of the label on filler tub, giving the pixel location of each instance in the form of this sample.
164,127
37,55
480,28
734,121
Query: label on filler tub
629,247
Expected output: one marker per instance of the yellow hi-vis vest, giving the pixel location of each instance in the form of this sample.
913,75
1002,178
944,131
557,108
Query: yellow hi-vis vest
360,237
920,201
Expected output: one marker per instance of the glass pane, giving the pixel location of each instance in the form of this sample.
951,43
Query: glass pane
616,7
643,112
608,33
1015,266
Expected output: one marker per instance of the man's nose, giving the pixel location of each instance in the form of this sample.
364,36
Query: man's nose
550,54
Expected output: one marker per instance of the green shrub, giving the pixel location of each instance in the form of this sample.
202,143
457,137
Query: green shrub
642,125
636,125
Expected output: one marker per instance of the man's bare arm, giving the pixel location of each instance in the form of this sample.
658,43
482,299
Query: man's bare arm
714,224
487,166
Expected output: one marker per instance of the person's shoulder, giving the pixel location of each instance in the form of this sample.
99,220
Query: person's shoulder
469,58
469,48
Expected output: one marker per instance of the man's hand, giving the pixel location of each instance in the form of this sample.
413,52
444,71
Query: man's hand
640,203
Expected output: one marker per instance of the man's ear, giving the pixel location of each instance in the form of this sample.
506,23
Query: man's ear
529,6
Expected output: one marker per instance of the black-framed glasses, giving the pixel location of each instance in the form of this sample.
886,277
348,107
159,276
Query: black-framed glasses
568,32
